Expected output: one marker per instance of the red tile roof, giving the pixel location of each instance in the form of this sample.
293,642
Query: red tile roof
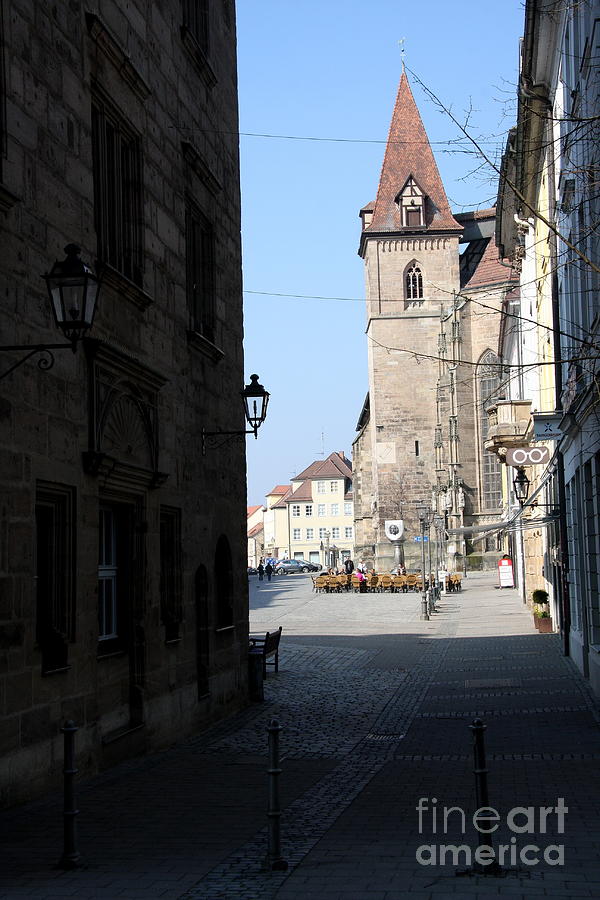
281,503
257,528
335,466
407,153
476,214
303,492
490,270
252,509
279,489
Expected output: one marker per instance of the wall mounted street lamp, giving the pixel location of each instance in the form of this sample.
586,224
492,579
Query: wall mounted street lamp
256,401
521,485
73,291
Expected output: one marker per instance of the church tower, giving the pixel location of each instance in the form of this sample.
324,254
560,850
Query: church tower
420,438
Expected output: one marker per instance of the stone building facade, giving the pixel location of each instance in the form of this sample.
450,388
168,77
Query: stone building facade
548,226
123,589
433,290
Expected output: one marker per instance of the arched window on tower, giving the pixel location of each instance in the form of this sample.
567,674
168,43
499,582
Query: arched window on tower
488,386
413,285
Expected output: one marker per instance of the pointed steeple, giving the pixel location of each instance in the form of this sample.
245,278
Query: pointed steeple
410,176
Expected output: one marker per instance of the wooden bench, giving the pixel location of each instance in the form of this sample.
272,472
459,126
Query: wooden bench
267,646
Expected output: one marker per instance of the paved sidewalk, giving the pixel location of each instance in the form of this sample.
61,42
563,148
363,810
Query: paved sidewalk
375,706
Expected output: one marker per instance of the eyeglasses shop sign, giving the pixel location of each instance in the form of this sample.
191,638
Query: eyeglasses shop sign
527,456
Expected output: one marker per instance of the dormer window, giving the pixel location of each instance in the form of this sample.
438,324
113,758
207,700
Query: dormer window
411,203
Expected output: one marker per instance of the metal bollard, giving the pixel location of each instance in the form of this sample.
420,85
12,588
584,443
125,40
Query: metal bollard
274,861
71,857
481,770
424,606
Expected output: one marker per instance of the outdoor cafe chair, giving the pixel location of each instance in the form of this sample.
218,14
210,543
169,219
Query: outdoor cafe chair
399,583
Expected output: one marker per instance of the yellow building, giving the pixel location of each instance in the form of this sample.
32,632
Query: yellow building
313,518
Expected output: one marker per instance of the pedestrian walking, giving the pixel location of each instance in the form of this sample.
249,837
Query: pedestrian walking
348,566
261,571
268,571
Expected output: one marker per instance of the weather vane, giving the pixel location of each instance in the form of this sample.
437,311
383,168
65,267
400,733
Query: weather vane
401,44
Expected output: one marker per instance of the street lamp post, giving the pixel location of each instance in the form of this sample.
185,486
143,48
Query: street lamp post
430,593
521,488
327,558
438,524
422,512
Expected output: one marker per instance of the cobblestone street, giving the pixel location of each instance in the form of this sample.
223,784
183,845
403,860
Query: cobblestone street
375,706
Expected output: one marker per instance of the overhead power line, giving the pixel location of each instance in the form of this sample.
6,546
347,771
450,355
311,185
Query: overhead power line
332,140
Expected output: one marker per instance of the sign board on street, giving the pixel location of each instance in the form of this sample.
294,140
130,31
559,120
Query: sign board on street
546,426
505,573
418,538
527,456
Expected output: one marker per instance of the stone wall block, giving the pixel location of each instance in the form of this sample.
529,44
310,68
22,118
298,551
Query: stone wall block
20,546
37,725
19,692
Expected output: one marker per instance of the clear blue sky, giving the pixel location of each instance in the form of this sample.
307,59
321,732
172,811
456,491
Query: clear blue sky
330,69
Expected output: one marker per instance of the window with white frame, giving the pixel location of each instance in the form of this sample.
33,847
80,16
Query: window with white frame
310,533
348,531
333,487
321,509
335,533
347,509
308,509
296,534
320,487
335,509
296,511
322,532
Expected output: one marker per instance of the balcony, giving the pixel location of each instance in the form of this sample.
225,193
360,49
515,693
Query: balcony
509,422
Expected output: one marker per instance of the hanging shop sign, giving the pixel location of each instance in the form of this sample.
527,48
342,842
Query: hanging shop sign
527,456
546,426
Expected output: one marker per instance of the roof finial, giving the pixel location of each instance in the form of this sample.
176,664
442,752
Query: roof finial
401,43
